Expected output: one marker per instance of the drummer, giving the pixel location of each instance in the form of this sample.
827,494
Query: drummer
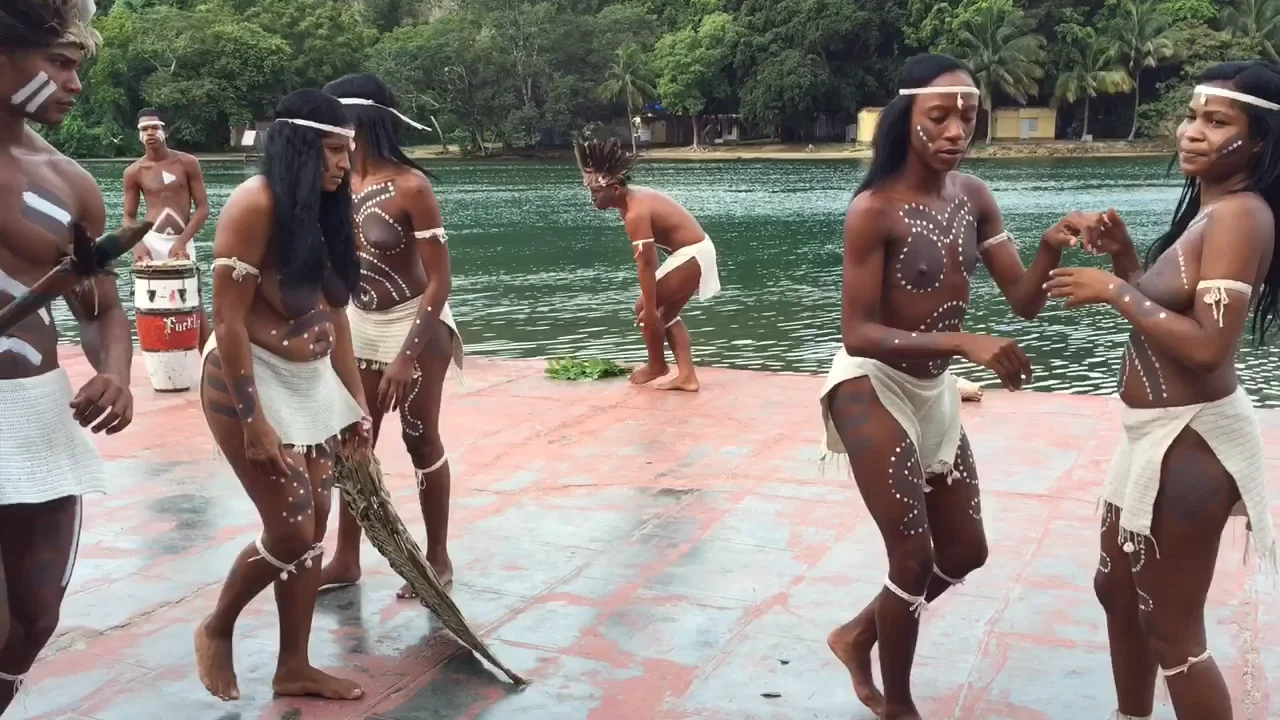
173,187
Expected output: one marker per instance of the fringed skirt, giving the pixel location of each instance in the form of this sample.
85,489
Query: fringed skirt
44,453
378,335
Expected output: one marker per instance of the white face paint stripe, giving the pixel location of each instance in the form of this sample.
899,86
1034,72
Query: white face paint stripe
40,205
20,347
36,83
17,289
41,96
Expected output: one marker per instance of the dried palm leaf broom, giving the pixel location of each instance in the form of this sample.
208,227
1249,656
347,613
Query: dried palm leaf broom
361,484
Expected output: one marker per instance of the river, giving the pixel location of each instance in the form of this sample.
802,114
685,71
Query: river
539,272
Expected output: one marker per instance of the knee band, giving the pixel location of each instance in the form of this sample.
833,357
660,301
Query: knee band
17,680
421,475
953,581
286,568
1187,665
918,603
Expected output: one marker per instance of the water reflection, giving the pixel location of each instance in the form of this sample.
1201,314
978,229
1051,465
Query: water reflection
540,272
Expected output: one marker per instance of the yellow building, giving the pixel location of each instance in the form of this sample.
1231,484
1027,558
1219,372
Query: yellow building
867,119
1025,123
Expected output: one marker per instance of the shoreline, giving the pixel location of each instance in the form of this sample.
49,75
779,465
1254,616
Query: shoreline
1110,149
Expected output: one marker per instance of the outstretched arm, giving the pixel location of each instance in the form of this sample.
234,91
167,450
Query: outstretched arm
640,231
1236,237
104,329
433,252
132,199
199,198
239,248
1022,287
866,234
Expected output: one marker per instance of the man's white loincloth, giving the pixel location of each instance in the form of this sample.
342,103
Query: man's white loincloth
1229,426
705,253
928,410
377,336
44,453
160,245
305,402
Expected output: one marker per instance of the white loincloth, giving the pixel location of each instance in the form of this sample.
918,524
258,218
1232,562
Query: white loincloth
927,410
305,402
44,453
160,245
705,252
378,335
1229,426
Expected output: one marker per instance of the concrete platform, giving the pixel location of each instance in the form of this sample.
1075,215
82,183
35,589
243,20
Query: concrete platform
639,555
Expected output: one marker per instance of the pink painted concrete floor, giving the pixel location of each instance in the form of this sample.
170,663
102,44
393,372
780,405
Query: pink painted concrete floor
639,555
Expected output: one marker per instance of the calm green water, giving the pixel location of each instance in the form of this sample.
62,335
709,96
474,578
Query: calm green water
539,272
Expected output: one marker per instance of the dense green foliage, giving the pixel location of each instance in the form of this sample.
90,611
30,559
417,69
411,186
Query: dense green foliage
529,74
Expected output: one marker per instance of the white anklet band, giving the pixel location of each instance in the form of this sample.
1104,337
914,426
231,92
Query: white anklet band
1187,665
918,603
953,581
18,681
286,568
421,475
1117,715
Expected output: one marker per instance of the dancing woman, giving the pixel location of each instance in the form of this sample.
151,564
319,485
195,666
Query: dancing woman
1192,454
401,326
912,238
280,381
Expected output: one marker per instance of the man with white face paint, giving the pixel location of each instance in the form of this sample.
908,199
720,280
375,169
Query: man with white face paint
172,185
47,462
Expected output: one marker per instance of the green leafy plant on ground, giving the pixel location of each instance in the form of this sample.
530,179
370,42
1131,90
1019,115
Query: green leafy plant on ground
570,368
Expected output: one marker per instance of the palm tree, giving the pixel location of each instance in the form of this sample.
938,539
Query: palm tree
1257,20
628,79
1141,37
1093,72
998,44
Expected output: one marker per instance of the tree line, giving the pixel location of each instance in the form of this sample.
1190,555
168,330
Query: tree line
521,75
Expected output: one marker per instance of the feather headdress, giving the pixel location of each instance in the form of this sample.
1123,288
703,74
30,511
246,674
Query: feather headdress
28,24
604,161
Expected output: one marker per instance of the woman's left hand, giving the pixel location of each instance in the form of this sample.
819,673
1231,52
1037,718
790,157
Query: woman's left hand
1082,286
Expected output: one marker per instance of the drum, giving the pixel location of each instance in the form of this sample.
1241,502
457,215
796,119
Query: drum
166,301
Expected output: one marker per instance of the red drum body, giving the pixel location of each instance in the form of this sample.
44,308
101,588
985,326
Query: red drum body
166,307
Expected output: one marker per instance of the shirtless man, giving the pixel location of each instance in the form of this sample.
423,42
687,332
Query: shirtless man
1192,454
912,239
172,184
402,329
654,220
280,387
47,462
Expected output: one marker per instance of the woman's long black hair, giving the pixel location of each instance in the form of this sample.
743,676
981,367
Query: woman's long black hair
311,225
376,128
1261,79
892,141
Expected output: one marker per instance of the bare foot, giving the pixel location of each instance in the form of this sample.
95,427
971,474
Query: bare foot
339,573
444,573
646,374
852,643
309,681
908,712
687,383
214,664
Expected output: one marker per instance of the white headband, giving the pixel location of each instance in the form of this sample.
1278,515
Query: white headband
959,90
1202,90
345,132
151,123
397,113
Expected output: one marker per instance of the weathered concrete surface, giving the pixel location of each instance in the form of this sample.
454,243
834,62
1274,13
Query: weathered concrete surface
640,555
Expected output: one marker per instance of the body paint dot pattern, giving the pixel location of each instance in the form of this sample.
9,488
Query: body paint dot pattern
931,232
905,476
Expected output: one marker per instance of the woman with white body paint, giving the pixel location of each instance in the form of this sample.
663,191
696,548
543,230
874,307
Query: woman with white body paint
1192,455
47,462
913,236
